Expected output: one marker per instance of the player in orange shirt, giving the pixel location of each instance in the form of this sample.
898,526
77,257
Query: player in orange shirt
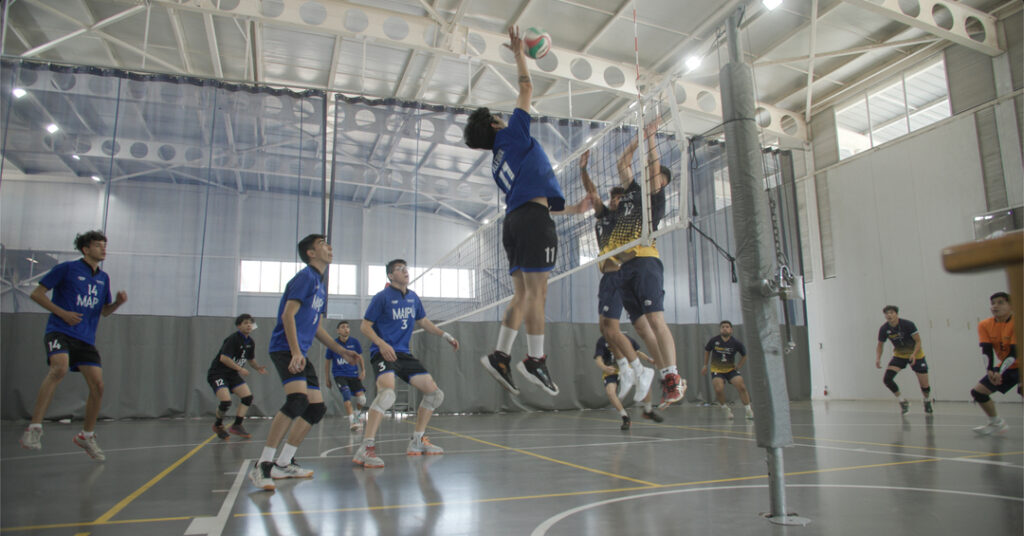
998,342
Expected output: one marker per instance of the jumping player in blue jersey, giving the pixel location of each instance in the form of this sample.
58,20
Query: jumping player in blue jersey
299,315
389,321
227,375
81,293
348,377
522,171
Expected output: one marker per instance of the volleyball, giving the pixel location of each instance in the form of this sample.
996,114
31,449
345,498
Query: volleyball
538,43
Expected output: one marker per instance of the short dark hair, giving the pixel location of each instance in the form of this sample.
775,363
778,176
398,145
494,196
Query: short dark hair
306,244
340,323
86,239
892,308
479,132
242,318
391,266
720,324
667,173
1000,294
618,190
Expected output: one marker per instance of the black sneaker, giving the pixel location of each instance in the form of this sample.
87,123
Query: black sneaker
904,407
652,415
497,364
928,406
220,431
625,423
536,370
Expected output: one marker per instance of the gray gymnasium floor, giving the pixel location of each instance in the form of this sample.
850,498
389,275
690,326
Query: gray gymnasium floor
856,468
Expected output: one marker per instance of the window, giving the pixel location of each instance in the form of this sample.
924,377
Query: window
273,277
723,195
915,99
434,283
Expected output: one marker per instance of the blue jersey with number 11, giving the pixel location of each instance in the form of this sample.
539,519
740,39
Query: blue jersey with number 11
306,287
394,317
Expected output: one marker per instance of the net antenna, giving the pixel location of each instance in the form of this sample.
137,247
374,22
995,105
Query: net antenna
478,264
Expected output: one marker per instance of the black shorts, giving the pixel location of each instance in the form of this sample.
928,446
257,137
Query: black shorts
727,376
1010,378
528,234
610,378
79,353
354,385
643,286
220,380
919,366
609,296
281,361
405,367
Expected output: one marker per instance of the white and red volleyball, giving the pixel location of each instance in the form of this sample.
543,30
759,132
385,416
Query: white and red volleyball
538,43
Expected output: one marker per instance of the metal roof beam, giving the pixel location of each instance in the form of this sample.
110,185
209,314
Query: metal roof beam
967,26
849,51
604,27
81,30
211,39
179,38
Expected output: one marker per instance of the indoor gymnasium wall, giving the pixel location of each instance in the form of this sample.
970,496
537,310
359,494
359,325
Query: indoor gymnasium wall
155,366
892,211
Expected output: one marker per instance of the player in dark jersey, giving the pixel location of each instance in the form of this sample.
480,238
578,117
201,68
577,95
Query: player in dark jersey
227,375
605,361
906,349
81,293
642,275
523,172
720,352
389,321
348,377
998,340
609,293
299,315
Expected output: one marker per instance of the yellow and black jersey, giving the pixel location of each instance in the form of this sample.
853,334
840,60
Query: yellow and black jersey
724,352
627,223
902,337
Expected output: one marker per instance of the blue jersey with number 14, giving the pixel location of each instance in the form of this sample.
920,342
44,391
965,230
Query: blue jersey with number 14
78,289
394,317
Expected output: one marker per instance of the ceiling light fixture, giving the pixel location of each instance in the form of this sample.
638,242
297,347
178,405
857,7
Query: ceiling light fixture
771,4
18,92
76,157
52,128
693,62
96,178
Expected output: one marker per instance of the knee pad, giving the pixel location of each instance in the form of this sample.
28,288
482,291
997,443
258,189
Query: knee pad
432,401
926,391
247,400
385,399
346,393
888,381
314,412
981,398
224,406
294,405
361,399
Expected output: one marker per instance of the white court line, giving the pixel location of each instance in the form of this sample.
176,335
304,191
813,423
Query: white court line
214,526
908,455
79,452
543,528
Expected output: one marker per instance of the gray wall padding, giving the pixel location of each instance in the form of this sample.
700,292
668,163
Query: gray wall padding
155,366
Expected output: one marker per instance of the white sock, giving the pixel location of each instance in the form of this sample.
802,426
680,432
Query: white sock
351,417
623,413
746,407
368,442
286,455
37,425
647,406
417,435
506,337
268,454
87,435
671,369
535,345
623,364
993,420
636,366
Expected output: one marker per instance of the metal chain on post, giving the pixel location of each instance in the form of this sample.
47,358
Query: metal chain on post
784,280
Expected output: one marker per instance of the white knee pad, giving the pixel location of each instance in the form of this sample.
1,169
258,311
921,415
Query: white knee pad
361,399
385,399
432,401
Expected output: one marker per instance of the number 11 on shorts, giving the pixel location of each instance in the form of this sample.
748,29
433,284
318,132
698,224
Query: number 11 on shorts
549,254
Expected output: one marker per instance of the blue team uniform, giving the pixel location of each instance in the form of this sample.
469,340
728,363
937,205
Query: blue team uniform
340,367
521,168
76,288
394,317
307,287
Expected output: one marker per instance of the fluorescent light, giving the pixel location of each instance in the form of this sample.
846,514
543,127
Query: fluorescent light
771,4
52,128
693,62
487,220
18,92
30,259
76,157
96,178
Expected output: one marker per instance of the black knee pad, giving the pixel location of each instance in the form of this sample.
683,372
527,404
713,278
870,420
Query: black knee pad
926,391
224,406
981,398
314,412
247,400
295,405
888,381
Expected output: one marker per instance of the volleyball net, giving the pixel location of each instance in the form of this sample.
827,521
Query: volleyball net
565,141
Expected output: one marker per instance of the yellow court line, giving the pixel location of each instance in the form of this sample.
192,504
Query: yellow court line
135,494
535,455
805,438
